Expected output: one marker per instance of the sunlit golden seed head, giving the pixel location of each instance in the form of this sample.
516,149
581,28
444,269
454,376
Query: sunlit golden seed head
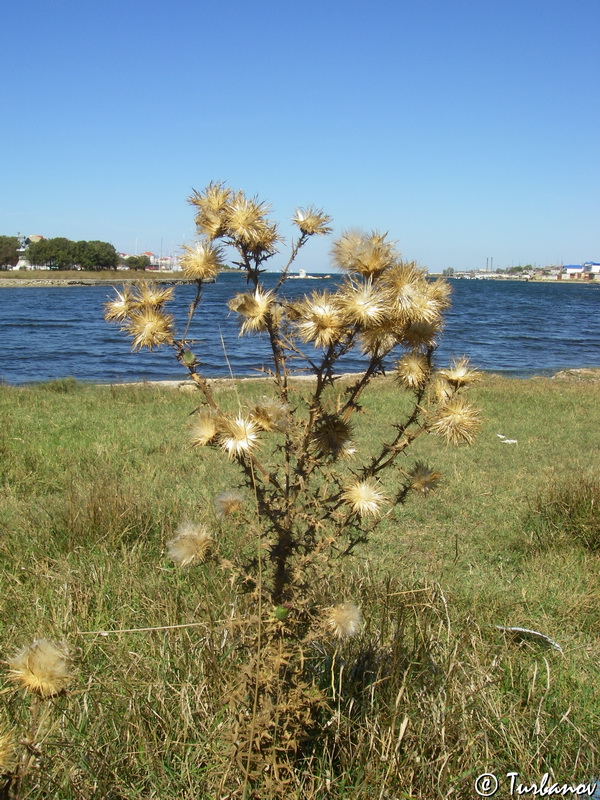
421,334
423,479
254,307
211,213
119,308
364,497
344,620
363,304
42,667
332,437
202,261
238,436
271,415
204,427
312,221
368,254
442,391
7,750
381,338
151,296
247,223
320,320
440,291
150,329
460,373
192,544
413,371
228,503
456,421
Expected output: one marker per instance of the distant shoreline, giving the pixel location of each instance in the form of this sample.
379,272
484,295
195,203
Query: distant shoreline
170,280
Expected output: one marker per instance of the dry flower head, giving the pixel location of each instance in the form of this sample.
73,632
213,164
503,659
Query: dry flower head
254,307
119,308
344,620
204,427
202,261
238,436
456,421
192,544
312,221
423,479
42,667
149,328
364,497
228,503
271,415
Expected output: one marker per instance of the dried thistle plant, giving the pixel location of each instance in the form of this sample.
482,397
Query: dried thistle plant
291,448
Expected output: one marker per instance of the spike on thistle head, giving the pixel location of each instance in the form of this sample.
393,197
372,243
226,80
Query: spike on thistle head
364,497
344,620
456,421
192,544
42,667
312,221
201,262
150,328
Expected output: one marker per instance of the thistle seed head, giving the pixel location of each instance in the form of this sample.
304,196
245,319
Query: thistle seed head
228,503
254,307
364,497
238,436
320,319
423,479
42,667
151,296
192,544
201,262
204,427
212,206
367,254
150,328
344,620
332,436
271,415
363,304
312,221
413,371
119,308
460,373
456,421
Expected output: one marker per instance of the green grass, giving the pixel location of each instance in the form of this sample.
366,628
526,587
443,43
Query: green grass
93,481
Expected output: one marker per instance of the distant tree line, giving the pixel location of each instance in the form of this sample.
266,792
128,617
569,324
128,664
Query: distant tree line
61,253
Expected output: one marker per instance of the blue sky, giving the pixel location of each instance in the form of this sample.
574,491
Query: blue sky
467,129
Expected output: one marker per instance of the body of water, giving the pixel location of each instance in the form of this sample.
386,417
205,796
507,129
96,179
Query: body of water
510,327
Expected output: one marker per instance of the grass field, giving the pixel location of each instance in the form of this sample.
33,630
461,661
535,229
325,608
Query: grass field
94,480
